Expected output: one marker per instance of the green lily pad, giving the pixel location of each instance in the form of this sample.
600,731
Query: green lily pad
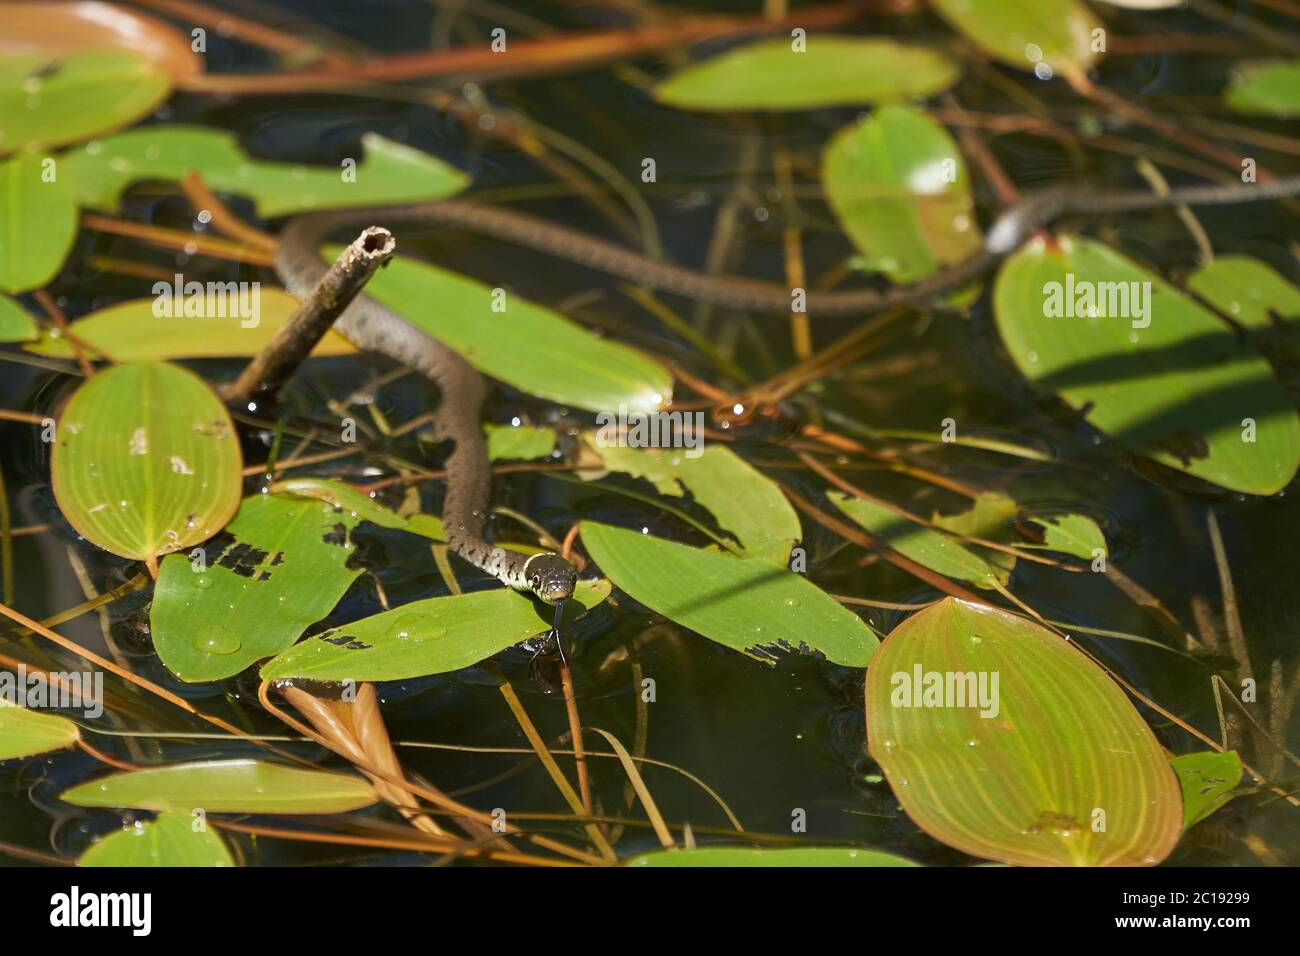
1001,739
389,173
744,501
1246,290
226,786
15,324
901,191
24,732
1161,374
748,604
1208,780
528,346
171,840
434,636
146,461
1269,88
38,221
50,101
933,549
131,332
1023,33
753,856
830,71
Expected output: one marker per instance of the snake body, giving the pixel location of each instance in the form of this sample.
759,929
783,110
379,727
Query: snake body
372,326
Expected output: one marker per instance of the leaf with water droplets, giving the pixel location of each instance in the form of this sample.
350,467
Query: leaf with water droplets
899,187
1247,291
1146,364
748,604
226,786
433,636
170,840
146,461
1003,740
1027,33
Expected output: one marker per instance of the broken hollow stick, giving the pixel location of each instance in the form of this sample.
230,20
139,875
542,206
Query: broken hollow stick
276,363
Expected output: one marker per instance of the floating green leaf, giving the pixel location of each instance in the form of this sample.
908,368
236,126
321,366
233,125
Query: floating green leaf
563,361
753,856
519,442
1073,534
146,461
389,173
899,186
744,501
748,604
38,221
933,549
52,101
132,332
1023,33
830,71
1003,740
170,840
1157,372
344,496
1246,290
1208,780
15,324
434,636
25,732
1269,88
287,567
226,786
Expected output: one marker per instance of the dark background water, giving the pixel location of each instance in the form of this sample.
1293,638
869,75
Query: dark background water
768,739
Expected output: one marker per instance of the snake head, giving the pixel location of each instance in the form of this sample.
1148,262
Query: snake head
550,577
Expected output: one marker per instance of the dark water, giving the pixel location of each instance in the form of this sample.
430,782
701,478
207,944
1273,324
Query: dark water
769,739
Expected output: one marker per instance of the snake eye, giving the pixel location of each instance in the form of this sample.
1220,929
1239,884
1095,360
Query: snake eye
535,581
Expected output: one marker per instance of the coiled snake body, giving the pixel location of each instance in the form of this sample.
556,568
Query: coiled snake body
372,326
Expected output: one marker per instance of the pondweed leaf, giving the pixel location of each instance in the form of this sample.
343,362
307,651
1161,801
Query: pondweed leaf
389,172
1268,88
933,549
287,567
1147,365
1003,740
226,786
1025,33
38,221
900,189
753,856
434,636
1073,534
171,840
561,361
146,461
519,442
16,325
25,732
1208,780
744,501
133,332
1247,291
52,101
360,505
829,71
748,604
